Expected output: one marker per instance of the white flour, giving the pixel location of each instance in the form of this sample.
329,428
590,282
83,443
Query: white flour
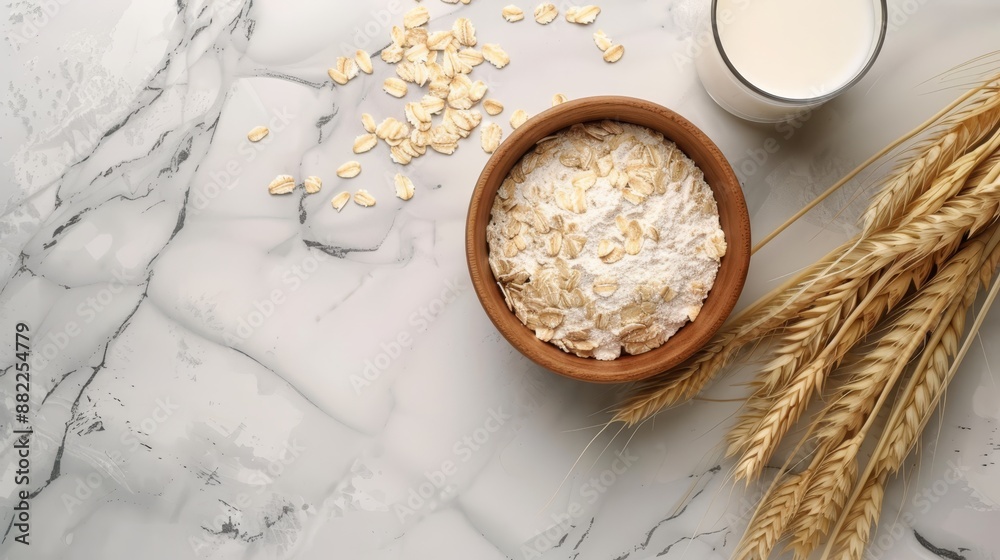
640,314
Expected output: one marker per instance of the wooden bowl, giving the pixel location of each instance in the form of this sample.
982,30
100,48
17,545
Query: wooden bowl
732,215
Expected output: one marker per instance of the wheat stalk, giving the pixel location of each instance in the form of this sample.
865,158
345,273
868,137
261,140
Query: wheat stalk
966,127
941,118
928,382
952,180
858,402
880,368
913,407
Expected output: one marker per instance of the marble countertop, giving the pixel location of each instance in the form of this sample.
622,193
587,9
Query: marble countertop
220,373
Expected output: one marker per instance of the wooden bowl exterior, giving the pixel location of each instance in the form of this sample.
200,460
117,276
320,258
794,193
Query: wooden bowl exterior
733,218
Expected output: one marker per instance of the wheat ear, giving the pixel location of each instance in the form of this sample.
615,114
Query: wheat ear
788,404
952,180
880,368
913,241
858,402
963,129
849,543
767,393
883,365
938,118
911,411
928,381
822,503
771,517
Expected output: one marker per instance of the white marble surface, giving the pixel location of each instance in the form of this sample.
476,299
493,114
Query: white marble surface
199,343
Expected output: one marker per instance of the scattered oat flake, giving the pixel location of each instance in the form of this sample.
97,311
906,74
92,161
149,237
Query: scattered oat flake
559,99
349,170
313,184
257,133
340,200
364,143
364,61
394,87
495,55
583,15
404,186
347,67
519,117
368,122
492,107
337,76
464,31
392,54
432,105
490,137
364,198
439,40
614,54
512,13
416,17
282,184
546,12
602,41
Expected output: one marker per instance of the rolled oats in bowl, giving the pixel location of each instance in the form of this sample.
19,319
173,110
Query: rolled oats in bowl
605,238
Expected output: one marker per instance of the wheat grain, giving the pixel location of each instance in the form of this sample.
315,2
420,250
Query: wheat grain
985,172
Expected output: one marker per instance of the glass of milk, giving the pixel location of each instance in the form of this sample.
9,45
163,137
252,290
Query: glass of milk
771,60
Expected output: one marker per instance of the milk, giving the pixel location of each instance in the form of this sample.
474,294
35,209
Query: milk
788,53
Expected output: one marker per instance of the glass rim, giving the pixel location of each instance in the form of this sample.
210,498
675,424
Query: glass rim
873,55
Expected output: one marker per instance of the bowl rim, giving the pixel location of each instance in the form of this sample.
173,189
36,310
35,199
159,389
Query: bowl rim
627,367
